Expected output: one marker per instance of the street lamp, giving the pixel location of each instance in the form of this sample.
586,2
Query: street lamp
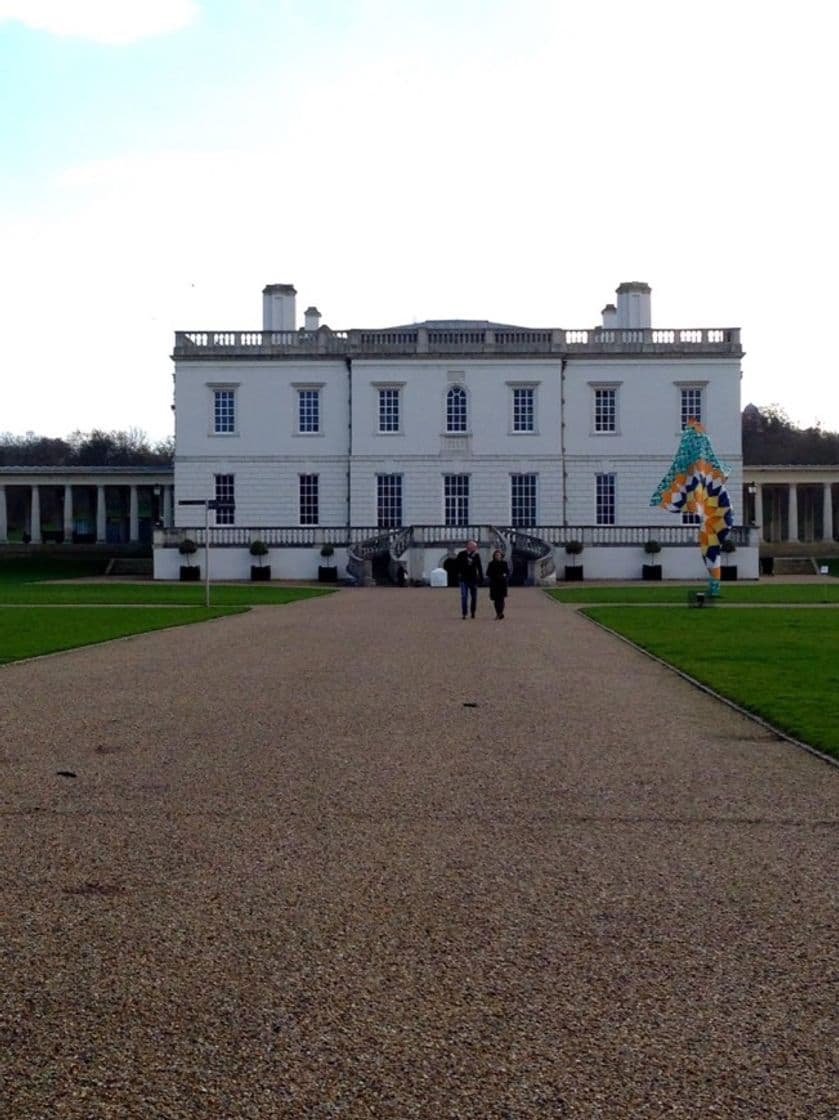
208,504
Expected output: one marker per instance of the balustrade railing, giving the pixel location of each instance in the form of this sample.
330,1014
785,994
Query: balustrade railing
427,340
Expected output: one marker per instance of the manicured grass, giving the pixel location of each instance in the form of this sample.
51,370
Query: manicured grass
30,631
780,664
40,566
731,593
181,594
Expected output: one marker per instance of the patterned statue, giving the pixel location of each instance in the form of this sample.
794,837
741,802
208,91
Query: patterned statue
695,483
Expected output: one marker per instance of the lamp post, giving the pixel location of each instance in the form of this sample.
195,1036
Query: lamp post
208,504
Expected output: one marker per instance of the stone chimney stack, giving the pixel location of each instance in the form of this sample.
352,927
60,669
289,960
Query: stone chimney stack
279,307
312,318
633,305
610,316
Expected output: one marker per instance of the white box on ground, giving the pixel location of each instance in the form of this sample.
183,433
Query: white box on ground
439,577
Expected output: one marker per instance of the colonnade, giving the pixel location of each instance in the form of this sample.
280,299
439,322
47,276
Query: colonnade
163,493
790,532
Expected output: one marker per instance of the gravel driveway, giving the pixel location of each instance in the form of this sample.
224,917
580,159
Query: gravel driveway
355,858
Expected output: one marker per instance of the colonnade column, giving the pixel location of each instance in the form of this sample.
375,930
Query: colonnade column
827,519
4,523
168,504
35,516
101,521
133,515
68,514
792,513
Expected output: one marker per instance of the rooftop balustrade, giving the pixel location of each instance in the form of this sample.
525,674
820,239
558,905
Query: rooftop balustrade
476,342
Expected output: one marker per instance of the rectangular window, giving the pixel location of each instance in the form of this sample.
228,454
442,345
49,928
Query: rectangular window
308,492
691,398
605,500
605,410
388,410
456,499
225,496
308,411
224,411
524,410
389,501
456,409
523,500
691,519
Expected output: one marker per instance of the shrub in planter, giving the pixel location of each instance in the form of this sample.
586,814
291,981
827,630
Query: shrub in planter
189,572
728,571
260,571
327,573
652,571
573,571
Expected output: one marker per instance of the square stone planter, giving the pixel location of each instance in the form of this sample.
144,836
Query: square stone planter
574,573
190,573
651,571
260,573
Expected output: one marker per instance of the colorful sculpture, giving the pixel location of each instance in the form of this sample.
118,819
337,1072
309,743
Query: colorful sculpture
695,483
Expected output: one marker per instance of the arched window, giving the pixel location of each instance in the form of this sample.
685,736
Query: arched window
456,409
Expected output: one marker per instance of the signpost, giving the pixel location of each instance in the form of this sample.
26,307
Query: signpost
208,504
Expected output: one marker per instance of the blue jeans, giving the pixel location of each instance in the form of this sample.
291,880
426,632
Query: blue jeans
468,591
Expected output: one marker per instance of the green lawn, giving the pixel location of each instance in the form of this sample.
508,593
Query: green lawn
31,631
780,664
39,617
731,593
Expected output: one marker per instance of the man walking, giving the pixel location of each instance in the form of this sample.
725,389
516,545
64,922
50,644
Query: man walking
470,574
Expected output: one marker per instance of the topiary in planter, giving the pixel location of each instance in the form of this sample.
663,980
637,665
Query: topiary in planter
651,571
261,571
189,572
728,571
327,573
573,571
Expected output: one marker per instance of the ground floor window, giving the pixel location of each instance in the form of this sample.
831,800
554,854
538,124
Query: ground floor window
456,499
604,511
225,497
309,499
389,501
523,500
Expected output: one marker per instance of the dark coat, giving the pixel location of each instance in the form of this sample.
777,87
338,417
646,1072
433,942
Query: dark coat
498,574
469,567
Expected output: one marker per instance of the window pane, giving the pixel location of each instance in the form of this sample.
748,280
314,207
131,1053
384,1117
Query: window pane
224,411
456,410
389,501
605,410
308,499
691,405
388,410
523,500
456,499
224,493
605,499
308,401
524,414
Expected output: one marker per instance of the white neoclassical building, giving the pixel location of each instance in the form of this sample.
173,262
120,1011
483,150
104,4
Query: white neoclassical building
410,438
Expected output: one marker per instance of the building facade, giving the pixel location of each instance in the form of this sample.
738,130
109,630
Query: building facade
445,426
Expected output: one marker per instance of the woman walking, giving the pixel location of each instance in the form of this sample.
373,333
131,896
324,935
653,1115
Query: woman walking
498,575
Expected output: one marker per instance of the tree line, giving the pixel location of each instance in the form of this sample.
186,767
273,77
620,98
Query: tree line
771,439
86,449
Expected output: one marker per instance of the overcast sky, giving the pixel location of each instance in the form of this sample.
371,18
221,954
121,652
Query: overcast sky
162,160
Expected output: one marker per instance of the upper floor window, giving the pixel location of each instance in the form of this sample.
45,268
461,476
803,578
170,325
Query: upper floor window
308,411
691,404
308,498
456,499
606,409
691,519
604,502
389,402
225,497
524,408
456,409
224,411
523,500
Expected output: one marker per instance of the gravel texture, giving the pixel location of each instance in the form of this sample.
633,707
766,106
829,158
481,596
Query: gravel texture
297,875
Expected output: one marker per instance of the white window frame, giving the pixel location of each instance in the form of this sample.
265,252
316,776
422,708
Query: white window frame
609,387
390,522
683,387
395,387
312,498
456,387
457,492
299,388
224,490
224,387
524,522
531,387
599,498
